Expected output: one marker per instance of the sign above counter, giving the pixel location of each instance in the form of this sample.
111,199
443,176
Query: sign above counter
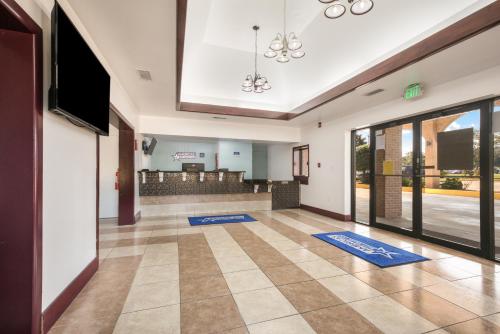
184,156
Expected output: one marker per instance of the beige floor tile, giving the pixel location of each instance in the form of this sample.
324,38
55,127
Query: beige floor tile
165,247
247,280
476,326
152,295
163,320
320,269
189,230
127,251
262,305
309,296
214,315
300,255
287,274
205,287
443,270
470,300
415,276
159,258
283,245
164,233
155,274
233,264
233,251
340,319
104,252
290,325
392,317
482,285
384,281
352,264
349,288
431,307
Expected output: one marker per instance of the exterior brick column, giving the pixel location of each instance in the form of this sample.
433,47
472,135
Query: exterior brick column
389,188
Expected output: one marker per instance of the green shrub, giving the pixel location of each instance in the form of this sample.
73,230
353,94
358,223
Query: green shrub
406,182
365,178
452,183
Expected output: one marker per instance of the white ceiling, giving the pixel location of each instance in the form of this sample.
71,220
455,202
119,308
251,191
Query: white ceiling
133,35
219,45
136,35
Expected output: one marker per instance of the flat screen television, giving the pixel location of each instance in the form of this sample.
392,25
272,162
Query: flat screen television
80,85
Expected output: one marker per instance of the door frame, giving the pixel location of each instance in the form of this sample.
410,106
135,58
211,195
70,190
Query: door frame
487,221
19,20
126,157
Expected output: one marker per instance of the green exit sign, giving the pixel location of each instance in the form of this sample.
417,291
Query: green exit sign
413,91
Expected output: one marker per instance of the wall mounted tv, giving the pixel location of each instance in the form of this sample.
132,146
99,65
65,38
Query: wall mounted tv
80,84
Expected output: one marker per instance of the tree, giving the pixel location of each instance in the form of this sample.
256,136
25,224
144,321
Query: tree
363,161
359,140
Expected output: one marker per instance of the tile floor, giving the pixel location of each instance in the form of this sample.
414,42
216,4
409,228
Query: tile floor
271,276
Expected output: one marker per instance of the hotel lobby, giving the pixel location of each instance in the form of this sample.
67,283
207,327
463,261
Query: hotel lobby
267,166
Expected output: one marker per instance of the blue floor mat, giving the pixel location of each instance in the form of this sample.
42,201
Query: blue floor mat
373,251
225,219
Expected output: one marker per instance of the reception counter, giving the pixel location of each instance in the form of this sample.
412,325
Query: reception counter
165,193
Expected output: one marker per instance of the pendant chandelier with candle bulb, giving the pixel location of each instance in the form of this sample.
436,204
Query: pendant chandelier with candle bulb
284,46
255,83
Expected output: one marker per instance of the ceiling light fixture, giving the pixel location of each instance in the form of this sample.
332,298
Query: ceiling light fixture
337,9
282,45
256,83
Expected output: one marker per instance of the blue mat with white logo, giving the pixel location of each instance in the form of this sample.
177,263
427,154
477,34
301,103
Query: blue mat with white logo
225,219
373,251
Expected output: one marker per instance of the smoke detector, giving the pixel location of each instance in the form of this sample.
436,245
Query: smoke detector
144,75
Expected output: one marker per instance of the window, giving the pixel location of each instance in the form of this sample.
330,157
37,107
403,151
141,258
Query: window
301,164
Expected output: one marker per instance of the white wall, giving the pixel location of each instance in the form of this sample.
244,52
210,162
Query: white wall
69,181
108,165
162,157
279,162
259,161
329,186
218,129
241,162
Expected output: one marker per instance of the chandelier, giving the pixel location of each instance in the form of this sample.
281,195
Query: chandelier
337,9
282,45
256,83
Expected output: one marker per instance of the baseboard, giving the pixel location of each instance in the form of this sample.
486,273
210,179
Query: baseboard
59,305
137,216
326,213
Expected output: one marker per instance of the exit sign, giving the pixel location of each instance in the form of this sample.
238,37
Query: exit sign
413,91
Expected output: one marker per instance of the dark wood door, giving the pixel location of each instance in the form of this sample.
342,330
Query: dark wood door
126,197
20,195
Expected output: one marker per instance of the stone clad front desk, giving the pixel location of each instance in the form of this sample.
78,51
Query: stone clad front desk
170,193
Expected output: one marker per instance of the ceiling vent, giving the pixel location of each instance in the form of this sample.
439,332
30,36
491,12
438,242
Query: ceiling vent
145,75
374,92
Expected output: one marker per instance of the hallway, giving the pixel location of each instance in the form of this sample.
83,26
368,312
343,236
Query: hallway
271,276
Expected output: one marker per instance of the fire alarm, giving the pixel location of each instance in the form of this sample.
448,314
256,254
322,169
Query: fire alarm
319,124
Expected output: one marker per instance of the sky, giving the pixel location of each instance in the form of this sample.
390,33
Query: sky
468,120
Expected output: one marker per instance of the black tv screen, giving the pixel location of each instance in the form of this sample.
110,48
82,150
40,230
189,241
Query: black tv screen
80,84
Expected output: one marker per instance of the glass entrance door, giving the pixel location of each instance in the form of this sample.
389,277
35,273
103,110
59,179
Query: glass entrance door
450,177
394,176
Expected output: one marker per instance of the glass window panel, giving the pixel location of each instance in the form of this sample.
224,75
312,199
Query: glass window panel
362,174
394,176
305,162
496,174
451,186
